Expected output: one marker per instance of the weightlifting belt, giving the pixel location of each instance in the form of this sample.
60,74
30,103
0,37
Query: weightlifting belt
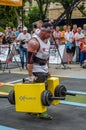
40,61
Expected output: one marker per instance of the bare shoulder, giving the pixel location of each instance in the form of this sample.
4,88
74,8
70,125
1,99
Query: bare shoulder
33,44
33,41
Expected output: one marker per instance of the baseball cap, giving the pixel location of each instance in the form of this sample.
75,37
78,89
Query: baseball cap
24,28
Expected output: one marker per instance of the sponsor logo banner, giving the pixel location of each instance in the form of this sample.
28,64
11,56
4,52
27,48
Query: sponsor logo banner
7,53
54,58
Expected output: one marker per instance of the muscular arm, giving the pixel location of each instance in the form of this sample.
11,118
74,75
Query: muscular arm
33,46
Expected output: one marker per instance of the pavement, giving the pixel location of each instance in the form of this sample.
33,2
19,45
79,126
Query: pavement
67,117
65,70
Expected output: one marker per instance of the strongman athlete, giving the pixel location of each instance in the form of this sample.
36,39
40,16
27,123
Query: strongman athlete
38,56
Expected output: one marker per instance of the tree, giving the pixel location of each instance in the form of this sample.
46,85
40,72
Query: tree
81,8
11,15
66,4
44,4
43,7
33,16
8,16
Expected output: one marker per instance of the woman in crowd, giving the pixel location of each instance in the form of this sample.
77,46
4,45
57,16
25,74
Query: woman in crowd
69,44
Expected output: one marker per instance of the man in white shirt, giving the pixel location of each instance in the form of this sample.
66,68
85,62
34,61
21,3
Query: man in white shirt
23,39
84,29
78,36
57,35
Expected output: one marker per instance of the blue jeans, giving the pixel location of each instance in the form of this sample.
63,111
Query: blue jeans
23,53
82,57
77,54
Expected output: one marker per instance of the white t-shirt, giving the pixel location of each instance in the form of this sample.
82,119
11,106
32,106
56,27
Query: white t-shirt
78,35
25,37
69,36
37,31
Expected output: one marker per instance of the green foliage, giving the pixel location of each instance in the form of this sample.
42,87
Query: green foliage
8,16
1,29
10,24
33,16
43,7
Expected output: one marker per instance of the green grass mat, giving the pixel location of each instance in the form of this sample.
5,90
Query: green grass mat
6,89
78,98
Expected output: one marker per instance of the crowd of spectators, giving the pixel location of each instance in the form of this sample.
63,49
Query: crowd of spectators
74,39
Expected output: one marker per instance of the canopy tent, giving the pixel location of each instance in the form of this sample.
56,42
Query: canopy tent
11,2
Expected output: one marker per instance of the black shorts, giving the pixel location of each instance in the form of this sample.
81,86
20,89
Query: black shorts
41,77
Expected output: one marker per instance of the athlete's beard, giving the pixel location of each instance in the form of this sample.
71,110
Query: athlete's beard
42,36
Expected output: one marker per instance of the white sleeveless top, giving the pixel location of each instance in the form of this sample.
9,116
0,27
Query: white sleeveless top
43,53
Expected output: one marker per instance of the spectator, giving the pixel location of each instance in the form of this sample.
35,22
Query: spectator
57,35
10,36
38,27
74,30
18,44
69,44
84,29
82,50
63,40
77,38
4,38
15,31
1,37
19,30
23,39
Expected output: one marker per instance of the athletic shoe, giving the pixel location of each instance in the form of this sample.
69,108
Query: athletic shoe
45,116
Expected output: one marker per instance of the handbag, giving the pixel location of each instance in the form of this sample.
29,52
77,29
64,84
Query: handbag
68,45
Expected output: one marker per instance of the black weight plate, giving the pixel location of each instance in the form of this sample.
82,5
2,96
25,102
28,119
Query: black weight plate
60,91
11,97
48,98
45,98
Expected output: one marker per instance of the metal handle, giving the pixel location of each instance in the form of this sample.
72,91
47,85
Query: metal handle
57,98
71,94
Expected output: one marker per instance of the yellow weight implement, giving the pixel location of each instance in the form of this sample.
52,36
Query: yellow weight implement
35,97
28,98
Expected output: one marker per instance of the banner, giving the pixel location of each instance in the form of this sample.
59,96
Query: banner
6,55
55,57
11,2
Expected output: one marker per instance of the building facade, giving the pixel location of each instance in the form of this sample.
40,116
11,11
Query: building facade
56,9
